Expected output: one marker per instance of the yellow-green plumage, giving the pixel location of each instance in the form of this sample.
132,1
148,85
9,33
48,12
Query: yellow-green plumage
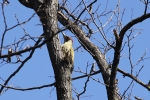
68,51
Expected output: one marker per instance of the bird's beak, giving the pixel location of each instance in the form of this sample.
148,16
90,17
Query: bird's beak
64,35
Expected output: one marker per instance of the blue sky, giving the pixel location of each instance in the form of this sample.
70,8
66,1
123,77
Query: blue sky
38,70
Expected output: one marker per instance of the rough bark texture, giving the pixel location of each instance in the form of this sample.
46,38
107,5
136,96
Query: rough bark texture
112,88
48,16
62,71
90,47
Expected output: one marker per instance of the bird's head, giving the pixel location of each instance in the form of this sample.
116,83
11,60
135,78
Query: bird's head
67,38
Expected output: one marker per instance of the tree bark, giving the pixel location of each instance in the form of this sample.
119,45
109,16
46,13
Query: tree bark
48,16
90,47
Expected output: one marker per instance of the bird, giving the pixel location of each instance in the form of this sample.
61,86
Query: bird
68,51
6,2
9,52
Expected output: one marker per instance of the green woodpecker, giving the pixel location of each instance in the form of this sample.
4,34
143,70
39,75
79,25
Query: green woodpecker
68,51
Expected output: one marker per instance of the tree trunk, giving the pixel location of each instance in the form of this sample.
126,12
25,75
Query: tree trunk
48,16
